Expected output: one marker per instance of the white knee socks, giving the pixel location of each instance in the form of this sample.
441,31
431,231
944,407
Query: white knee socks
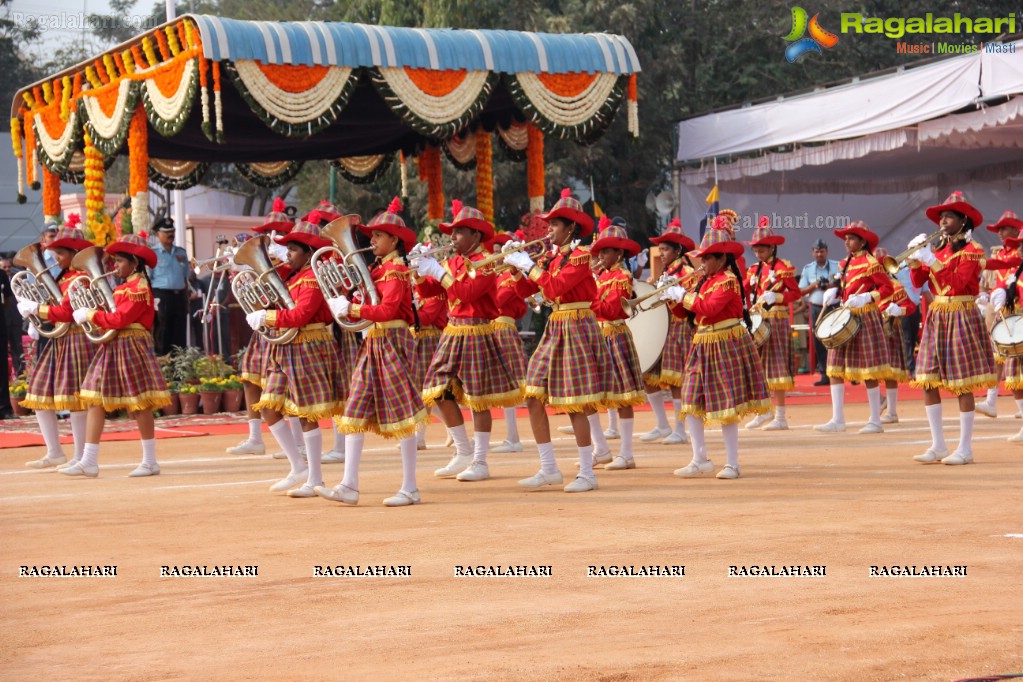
511,425
296,430
874,401
339,439
612,419
731,434
353,453
547,462
838,403
937,430
656,401
149,452
408,463
78,422
586,461
314,456
680,424
627,427
48,427
697,438
966,432
597,433
481,446
461,439
282,432
893,402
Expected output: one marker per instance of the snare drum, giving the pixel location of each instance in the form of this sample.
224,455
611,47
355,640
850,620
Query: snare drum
760,330
837,327
1007,336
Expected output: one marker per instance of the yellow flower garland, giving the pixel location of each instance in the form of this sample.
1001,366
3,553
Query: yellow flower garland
484,175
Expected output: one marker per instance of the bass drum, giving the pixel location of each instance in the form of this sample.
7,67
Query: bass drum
760,330
1007,336
649,328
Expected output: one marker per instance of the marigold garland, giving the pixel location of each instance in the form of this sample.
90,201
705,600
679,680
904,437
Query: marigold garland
161,40
147,48
18,152
65,98
47,92
111,69
94,81
205,98
217,108
101,73
632,104
484,175
128,59
430,167
172,40
99,228
30,150
51,194
138,153
535,184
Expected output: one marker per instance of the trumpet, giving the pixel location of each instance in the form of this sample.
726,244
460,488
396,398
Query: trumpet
92,290
892,264
439,253
634,306
499,257
218,263
37,284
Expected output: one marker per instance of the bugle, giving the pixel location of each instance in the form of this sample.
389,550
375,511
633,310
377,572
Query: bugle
634,306
892,264
500,255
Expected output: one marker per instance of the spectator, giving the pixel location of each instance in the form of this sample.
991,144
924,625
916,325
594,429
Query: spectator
48,234
6,412
911,323
817,276
170,289
13,322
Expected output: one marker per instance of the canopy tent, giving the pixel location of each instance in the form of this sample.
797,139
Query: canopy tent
876,148
270,95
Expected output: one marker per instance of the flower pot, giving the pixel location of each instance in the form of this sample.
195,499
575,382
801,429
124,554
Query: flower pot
211,401
234,400
19,411
174,407
189,403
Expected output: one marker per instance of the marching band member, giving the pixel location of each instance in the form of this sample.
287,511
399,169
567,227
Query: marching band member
668,373
893,308
724,380
510,307
862,285
468,367
569,370
1012,301
772,288
61,366
303,378
431,303
626,388
383,398
123,374
1007,227
955,349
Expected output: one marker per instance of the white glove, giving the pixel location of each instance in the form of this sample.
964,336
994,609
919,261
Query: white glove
519,260
33,333
830,296
429,267
895,310
27,308
21,299
81,315
675,294
924,255
642,258
769,297
508,246
859,300
917,240
417,249
256,319
998,298
278,251
339,306
983,298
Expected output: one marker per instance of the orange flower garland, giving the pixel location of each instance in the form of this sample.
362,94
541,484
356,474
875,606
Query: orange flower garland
535,187
138,170
484,175
632,104
97,222
18,152
30,151
51,194
430,167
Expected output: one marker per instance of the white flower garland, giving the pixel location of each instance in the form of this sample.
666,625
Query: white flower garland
516,136
463,149
567,111
140,212
362,165
436,110
633,108
169,108
293,107
219,110
403,171
535,204
56,148
269,168
107,127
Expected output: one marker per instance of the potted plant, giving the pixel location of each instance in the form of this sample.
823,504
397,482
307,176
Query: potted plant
18,390
234,396
188,395
175,405
211,389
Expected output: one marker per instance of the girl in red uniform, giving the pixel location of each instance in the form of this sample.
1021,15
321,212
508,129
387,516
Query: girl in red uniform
511,307
892,308
431,303
668,373
772,288
862,285
468,367
724,380
383,398
62,365
302,378
569,370
955,348
1012,302
123,374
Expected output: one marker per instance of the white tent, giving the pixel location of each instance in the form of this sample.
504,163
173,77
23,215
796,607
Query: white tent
878,149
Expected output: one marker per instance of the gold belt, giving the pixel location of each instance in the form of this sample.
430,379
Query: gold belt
953,299
717,326
391,324
505,319
580,305
314,326
612,324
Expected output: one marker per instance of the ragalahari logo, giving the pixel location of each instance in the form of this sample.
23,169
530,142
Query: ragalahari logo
818,40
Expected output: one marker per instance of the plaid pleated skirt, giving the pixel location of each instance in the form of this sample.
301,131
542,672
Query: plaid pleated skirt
348,346
724,379
776,354
427,340
626,388
896,351
124,375
955,349
382,398
59,372
865,356
250,367
512,351
570,369
304,378
469,364
1014,373
669,370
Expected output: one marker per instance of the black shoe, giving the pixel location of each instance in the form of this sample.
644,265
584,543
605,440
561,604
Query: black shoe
824,381
7,414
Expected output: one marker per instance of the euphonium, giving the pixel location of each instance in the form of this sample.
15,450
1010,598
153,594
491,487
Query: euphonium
633,306
261,288
340,270
37,284
92,290
892,264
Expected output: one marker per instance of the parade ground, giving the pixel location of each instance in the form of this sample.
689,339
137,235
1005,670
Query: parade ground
798,570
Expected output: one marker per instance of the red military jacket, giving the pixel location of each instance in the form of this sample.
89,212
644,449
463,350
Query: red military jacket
62,312
565,278
471,294
509,302
999,279
310,306
393,282
783,282
718,300
432,302
898,297
678,268
613,286
134,305
953,274
865,275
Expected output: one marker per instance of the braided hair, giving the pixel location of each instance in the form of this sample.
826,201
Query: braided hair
1013,294
400,247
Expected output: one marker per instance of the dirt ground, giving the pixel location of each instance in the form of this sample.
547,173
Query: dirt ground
844,501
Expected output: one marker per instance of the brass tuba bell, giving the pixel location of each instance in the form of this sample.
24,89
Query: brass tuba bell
37,284
92,290
340,269
261,288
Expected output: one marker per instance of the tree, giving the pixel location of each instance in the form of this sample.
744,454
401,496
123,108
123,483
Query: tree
17,69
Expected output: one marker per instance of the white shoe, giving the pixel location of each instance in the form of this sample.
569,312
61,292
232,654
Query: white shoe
675,438
68,465
477,471
567,430
728,472
759,421
581,484
778,424
871,427
458,464
403,499
1018,438
332,457
305,490
449,441
283,455
889,419
507,446
620,462
602,457
540,479
830,427
248,447
612,434
145,470
694,470
884,403
931,457
339,493
47,462
420,445
958,458
655,434
80,469
289,481
986,408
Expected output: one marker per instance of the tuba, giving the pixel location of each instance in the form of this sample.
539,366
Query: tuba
37,284
340,269
261,288
92,290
